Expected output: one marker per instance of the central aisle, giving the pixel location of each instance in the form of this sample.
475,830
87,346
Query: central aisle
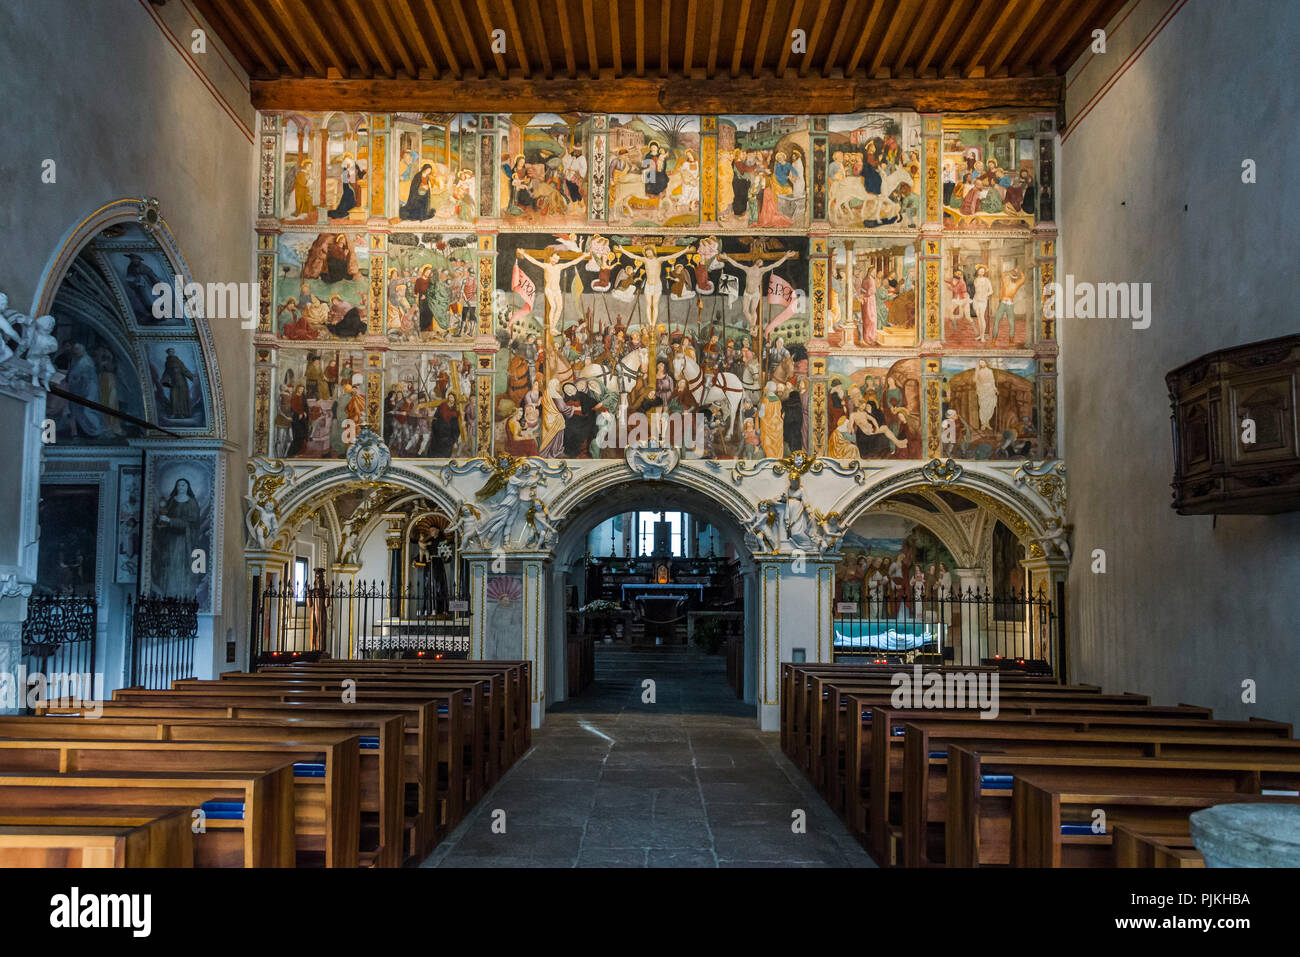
688,781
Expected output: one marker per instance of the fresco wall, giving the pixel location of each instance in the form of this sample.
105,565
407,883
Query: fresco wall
863,286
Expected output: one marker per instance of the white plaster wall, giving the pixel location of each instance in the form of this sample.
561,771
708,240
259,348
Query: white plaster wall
99,88
1150,190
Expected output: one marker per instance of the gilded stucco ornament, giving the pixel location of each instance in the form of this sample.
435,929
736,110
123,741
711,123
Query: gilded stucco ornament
799,463
1047,479
266,479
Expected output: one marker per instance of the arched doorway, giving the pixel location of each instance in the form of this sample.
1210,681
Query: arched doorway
690,581
132,498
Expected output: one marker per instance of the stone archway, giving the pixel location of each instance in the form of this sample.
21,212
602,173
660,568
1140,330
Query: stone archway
584,505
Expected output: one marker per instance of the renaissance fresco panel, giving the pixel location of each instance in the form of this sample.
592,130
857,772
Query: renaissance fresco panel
724,280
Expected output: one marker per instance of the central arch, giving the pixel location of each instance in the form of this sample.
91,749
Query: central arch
585,504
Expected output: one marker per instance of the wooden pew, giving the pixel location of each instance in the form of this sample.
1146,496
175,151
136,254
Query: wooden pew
380,755
1135,848
484,716
261,837
419,747
875,745
979,786
517,732
462,698
1049,825
926,743
327,814
97,837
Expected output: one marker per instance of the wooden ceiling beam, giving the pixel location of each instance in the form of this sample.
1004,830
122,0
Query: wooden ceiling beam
444,41
715,35
665,24
688,52
921,26
1043,32
237,45
860,47
250,37
901,13
764,32
738,48
1014,33
394,36
787,43
657,95
332,58
498,56
372,41
1104,13
814,36
850,11
1085,11
640,37
593,55
936,37
975,27
999,24
566,37
285,23
539,30
615,38
517,38
470,46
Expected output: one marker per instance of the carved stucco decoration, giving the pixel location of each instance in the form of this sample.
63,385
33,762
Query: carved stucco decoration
797,464
1047,479
266,479
942,472
652,460
368,457
26,347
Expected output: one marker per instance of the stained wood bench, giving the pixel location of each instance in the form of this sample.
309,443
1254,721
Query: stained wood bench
96,837
1134,848
380,756
327,813
926,744
436,797
258,831
979,787
1051,826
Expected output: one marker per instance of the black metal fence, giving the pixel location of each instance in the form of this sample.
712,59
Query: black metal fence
969,627
163,631
357,620
59,642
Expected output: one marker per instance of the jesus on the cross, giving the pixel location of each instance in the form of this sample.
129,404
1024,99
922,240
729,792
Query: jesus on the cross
754,273
551,270
653,290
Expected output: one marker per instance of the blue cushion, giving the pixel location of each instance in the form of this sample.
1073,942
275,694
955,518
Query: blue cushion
308,769
223,810
371,743
1080,829
999,782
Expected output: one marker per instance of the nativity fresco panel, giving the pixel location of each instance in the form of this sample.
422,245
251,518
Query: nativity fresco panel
433,180
987,296
322,286
874,407
432,295
874,173
429,404
989,408
320,402
873,299
990,174
763,172
654,171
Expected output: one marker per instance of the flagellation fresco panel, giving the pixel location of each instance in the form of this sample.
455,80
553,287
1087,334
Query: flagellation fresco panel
570,285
